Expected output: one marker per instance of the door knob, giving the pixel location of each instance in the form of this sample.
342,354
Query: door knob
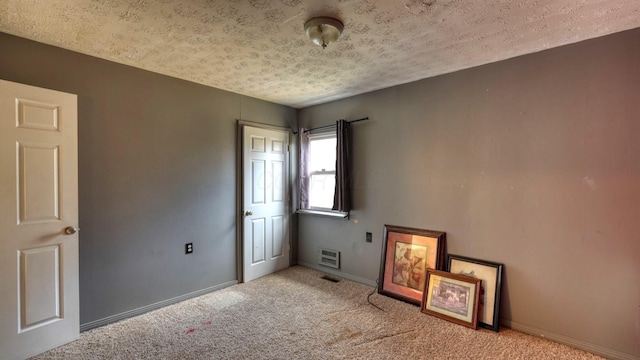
70,230
248,213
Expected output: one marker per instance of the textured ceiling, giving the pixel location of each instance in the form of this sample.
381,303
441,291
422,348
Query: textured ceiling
258,47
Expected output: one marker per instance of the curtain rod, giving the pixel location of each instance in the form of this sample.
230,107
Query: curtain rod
332,125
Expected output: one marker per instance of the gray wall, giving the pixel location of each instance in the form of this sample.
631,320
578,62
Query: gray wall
532,162
157,169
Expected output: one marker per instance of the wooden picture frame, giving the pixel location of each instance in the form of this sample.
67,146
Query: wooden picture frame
452,297
406,255
491,275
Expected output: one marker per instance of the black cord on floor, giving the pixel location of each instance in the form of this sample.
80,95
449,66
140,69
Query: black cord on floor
371,293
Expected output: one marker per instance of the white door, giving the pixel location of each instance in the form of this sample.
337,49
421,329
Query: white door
38,220
265,197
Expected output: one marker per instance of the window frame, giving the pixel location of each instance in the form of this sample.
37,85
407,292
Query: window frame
314,210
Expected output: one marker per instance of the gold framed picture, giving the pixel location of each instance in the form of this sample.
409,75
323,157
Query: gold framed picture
406,255
452,297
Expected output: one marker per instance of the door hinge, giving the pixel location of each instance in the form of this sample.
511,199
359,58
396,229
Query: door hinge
288,148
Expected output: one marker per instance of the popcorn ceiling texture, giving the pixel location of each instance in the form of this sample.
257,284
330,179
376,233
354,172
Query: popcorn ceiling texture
258,47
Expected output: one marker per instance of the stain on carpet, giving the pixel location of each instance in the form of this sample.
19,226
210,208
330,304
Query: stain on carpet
345,334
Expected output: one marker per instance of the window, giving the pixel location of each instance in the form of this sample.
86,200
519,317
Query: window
324,186
322,170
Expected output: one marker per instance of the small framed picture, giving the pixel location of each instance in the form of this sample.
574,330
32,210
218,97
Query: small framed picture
407,253
491,275
452,297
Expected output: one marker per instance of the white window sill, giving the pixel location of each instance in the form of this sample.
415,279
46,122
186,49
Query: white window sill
329,213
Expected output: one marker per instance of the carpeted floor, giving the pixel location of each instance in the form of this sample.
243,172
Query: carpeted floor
294,314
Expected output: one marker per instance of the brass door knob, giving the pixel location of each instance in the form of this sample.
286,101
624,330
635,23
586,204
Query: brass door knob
70,230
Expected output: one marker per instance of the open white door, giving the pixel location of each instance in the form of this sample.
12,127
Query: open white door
265,197
38,220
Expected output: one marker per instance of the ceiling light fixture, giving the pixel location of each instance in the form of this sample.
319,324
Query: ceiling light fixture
323,30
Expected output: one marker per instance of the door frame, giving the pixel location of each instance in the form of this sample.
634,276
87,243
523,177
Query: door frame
240,193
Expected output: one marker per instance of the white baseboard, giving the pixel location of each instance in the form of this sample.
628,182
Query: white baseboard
139,311
339,273
578,344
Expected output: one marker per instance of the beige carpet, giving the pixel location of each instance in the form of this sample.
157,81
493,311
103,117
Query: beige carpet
294,314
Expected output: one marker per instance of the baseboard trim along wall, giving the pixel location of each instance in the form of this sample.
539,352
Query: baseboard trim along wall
578,344
331,271
139,311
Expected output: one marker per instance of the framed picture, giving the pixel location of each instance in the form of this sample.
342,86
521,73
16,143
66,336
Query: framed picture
491,275
407,253
452,297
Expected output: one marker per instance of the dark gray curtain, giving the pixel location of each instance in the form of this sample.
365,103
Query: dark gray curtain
303,185
342,197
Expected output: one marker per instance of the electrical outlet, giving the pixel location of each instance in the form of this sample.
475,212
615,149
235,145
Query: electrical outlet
188,248
369,237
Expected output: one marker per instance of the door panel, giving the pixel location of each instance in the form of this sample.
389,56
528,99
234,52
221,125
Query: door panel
39,296
39,307
37,115
258,240
257,182
278,230
277,181
265,189
38,183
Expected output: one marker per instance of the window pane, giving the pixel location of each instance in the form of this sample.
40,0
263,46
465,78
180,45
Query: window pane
322,154
321,190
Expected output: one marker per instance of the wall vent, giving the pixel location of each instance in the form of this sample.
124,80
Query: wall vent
330,258
330,278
